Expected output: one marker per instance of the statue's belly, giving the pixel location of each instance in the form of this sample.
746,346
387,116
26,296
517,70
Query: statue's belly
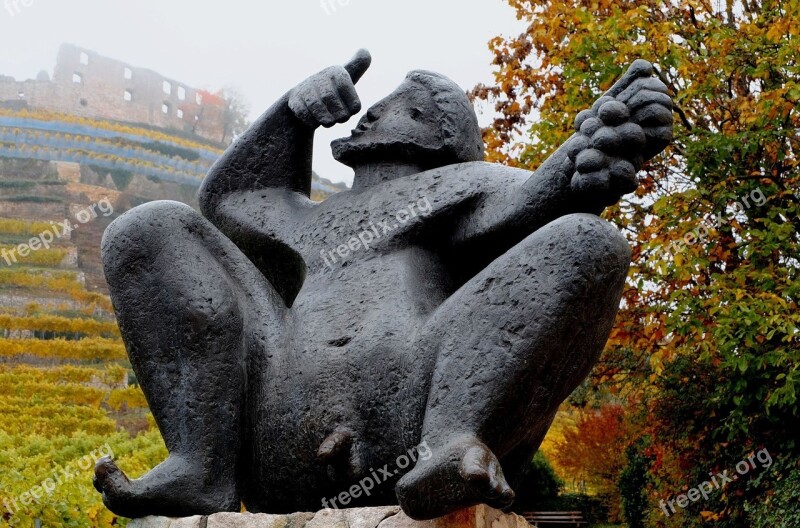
351,365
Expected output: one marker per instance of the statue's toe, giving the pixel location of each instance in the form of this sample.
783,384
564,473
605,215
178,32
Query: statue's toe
483,473
462,473
108,478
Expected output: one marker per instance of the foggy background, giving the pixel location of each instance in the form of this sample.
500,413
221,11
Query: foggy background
263,48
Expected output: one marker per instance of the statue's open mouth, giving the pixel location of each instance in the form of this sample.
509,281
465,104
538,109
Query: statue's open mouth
363,126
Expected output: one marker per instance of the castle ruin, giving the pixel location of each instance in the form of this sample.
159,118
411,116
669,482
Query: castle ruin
87,84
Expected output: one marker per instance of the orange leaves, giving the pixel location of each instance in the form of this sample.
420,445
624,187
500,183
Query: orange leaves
593,450
707,333
710,516
778,30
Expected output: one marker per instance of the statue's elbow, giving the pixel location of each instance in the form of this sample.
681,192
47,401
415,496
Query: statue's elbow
207,199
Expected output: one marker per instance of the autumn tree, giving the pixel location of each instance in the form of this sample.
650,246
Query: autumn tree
590,450
235,116
707,342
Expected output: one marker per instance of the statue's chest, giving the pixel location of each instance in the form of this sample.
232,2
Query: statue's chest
393,216
363,231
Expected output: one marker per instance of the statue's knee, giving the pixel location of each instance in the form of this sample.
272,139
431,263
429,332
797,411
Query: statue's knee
139,242
141,232
213,312
588,243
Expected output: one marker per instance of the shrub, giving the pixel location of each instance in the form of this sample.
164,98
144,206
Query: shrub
781,508
633,481
539,483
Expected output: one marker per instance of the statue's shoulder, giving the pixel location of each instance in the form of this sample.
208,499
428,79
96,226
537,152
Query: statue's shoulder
472,177
443,187
474,172
472,169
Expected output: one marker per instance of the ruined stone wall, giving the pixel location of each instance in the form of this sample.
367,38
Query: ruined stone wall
54,212
87,84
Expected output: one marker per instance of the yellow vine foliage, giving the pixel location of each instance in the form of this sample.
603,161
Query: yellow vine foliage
35,395
50,280
29,460
54,323
58,281
56,424
13,226
19,374
127,399
46,115
92,349
44,257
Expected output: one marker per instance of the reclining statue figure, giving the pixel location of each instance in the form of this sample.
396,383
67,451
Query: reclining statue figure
293,351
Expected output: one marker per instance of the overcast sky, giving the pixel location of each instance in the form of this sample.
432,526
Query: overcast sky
263,47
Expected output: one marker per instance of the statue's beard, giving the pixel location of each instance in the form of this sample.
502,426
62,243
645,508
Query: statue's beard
361,149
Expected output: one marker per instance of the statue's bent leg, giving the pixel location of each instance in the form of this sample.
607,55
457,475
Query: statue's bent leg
184,296
513,343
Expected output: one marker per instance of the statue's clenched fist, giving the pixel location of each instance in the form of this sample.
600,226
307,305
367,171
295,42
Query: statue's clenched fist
629,125
330,97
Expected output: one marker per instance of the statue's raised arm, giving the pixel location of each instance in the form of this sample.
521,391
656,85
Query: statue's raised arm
256,189
593,169
276,151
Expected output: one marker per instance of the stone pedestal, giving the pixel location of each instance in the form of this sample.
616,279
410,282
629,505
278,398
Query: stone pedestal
381,517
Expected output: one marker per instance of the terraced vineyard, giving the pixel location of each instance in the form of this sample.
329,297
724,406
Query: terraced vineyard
67,393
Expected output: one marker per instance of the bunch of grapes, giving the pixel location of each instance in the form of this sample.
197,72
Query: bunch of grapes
623,129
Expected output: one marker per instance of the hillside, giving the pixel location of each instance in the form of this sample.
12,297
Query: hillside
67,393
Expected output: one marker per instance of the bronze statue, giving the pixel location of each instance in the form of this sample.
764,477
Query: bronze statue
292,350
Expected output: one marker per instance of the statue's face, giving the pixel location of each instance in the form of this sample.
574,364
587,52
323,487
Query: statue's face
399,128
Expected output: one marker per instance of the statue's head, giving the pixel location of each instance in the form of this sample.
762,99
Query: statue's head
428,121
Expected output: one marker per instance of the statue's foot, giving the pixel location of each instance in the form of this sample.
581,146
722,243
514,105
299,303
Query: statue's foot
174,488
462,474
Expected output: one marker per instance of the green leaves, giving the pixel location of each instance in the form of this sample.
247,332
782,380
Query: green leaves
715,226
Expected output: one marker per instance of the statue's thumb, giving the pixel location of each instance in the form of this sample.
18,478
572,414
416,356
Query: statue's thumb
358,65
640,68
